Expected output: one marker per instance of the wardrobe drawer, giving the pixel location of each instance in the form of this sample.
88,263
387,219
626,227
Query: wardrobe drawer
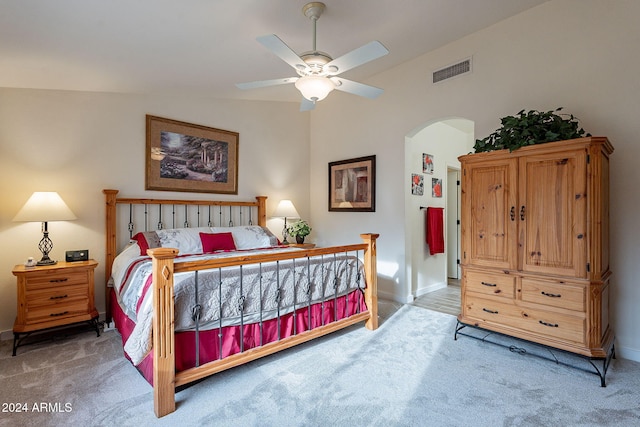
495,310
554,294
500,285
562,326
549,324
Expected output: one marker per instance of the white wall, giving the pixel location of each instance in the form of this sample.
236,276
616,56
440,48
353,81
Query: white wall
80,143
578,54
445,140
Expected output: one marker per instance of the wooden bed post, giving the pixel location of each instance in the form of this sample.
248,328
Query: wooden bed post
164,363
262,210
110,253
371,274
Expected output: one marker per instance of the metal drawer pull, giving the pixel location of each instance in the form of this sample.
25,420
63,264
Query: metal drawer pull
546,294
489,311
60,297
58,314
552,325
489,284
58,280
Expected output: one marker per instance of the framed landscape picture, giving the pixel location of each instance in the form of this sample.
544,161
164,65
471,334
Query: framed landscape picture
352,185
187,157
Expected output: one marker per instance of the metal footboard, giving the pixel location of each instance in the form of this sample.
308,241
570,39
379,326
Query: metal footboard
340,279
303,299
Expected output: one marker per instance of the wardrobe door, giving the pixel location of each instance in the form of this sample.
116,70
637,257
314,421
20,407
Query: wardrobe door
552,213
489,217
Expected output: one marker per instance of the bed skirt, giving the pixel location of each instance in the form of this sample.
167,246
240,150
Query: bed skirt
251,335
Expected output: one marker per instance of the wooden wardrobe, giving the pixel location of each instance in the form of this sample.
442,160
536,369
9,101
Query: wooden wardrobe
535,244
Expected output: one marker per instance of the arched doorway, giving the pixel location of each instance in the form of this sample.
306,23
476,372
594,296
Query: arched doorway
441,141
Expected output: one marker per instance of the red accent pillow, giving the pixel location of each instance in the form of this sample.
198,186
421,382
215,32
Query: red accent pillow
146,240
212,242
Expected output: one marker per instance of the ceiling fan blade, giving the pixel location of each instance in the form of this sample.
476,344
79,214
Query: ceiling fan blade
307,105
355,58
280,48
356,88
265,83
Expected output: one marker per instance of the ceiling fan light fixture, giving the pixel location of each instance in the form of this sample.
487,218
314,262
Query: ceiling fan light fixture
315,88
318,71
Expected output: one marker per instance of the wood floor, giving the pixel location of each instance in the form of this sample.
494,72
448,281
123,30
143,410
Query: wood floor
446,300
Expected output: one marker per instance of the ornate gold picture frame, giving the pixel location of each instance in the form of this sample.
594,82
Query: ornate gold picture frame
187,157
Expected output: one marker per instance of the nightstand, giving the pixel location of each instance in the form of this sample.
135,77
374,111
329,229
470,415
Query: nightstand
53,296
303,245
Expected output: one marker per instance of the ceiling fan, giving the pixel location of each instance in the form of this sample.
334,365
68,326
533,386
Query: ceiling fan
317,71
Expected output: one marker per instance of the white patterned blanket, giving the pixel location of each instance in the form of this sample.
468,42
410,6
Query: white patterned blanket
231,295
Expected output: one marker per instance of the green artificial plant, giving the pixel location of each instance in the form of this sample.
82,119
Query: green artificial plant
299,229
532,127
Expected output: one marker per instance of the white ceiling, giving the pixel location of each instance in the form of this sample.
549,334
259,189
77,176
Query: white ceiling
203,47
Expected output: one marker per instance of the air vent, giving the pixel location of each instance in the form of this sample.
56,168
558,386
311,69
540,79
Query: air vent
454,70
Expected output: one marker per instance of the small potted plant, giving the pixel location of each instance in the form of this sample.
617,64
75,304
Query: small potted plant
299,230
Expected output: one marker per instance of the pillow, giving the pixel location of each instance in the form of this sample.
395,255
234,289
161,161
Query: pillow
186,240
212,242
146,240
250,236
123,260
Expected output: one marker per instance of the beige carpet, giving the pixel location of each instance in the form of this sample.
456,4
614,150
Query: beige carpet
408,372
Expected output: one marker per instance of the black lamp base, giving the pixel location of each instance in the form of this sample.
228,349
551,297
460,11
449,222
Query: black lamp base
45,247
285,233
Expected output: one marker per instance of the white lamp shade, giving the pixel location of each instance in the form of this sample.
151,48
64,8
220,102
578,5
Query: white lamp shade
315,88
44,206
285,209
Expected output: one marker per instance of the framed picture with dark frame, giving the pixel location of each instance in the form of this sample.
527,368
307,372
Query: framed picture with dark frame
188,157
352,185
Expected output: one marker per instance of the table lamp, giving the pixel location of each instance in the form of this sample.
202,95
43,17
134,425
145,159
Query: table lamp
285,210
45,206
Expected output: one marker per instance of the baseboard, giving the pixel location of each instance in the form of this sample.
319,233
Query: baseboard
627,353
430,288
6,335
403,299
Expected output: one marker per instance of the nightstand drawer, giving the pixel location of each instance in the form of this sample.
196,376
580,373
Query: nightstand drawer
70,308
56,295
51,279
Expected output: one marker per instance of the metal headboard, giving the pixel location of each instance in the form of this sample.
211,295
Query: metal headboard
127,216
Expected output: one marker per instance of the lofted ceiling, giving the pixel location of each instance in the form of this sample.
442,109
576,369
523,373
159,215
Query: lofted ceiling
204,47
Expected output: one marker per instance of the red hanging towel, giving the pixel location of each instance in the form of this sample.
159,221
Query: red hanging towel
434,229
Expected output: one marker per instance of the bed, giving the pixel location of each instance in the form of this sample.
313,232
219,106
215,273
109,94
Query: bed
198,287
